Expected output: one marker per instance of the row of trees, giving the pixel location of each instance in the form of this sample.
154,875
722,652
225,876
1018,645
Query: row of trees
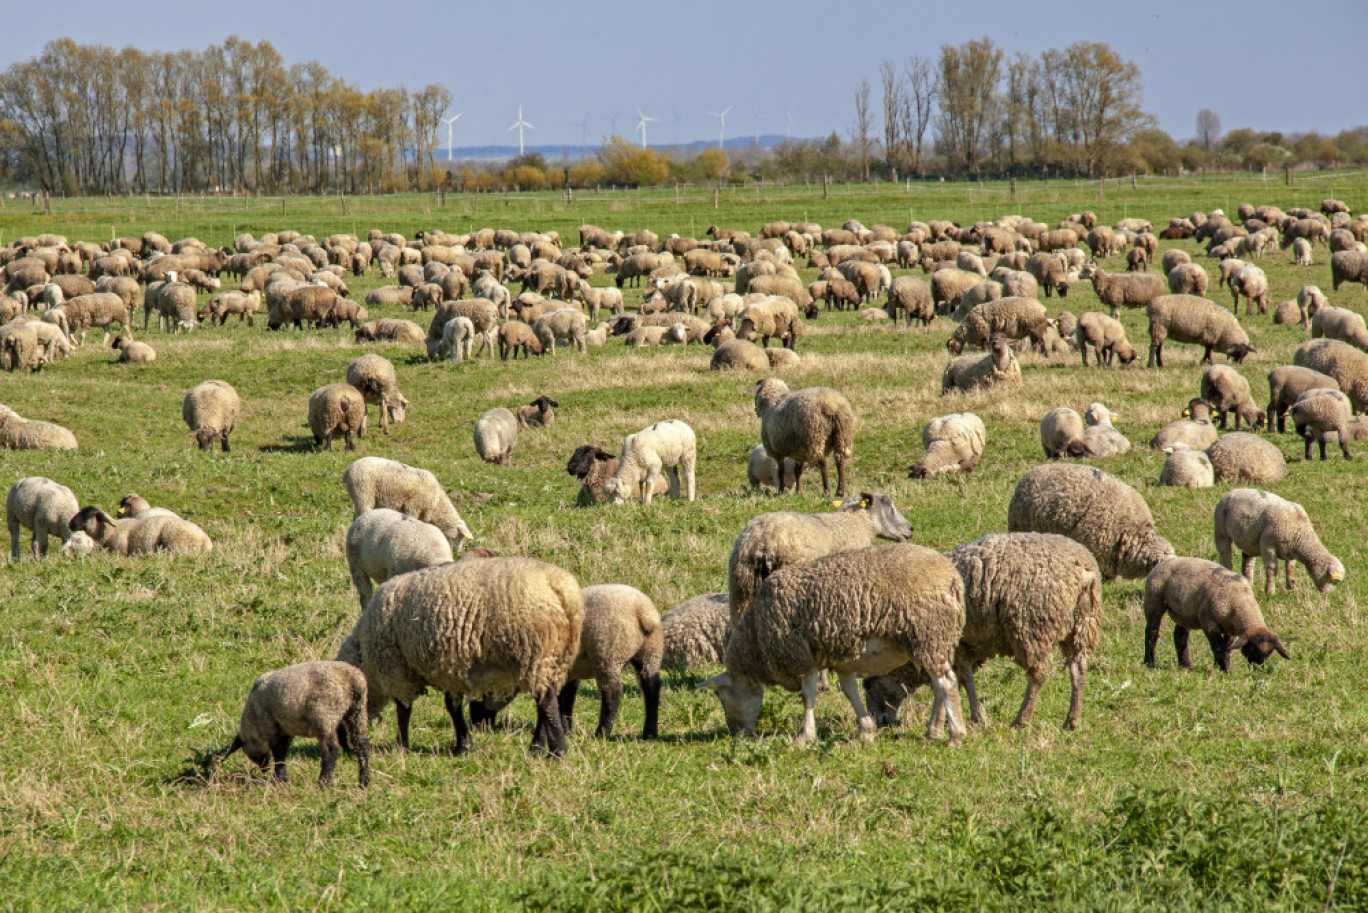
90,119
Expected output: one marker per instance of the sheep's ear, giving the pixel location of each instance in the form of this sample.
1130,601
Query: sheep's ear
1277,645
1238,643
717,681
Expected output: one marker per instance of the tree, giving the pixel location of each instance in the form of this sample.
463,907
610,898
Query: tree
921,97
1208,128
895,106
711,163
859,131
1095,100
631,165
968,98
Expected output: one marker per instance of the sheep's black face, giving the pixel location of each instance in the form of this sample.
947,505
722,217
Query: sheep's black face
1261,646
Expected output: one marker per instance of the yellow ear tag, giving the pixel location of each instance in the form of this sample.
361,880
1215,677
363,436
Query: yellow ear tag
865,502
837,503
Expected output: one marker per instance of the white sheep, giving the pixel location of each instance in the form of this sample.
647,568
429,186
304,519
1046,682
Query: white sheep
1261,523
458,338
374,482
382,543
43,506
647,454
496,434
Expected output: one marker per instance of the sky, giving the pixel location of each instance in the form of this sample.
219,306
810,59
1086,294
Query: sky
1292,67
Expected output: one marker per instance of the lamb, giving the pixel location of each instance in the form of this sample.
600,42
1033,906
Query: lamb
481,312
621,626
1186,468
806,426
1024,594
1348,266
458,338
316,700
594,466
1118,290
1194,429
383,543
1061,432
597,299
131,351
42,506
1252,283
1301,252
1227,391
143,535
1242,457
496,434
954,443
1101,439
774,540
1189,319
515,335
389,329
669,444
1200,594
695,632
336,409
1342,324
1319,413
911,296
1346,364
762,471
373,482
1106,336
374,376
1093,508
1188,279
1261,523
1310,299
538,413
19,433
483,629
738,355
865,611
563,324
1286,384
211,410
998,367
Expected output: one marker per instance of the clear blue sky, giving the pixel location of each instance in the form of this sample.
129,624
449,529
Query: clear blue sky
1269,65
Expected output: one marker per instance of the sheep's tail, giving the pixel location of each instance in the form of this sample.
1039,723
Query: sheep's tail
1087,621
842,438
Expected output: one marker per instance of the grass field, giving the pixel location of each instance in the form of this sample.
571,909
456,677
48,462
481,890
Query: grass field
1183,790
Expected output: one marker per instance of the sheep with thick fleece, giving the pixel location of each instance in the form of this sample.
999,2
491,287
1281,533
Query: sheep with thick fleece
42,506
566,324
1188,279
336,409
374,376
695,631
1190,319
997,367
458,339
315,700
1101,439
19,433
1095,509
488,628
383,543
133,352
1186,468
867,612
806,426
911,296
1228,392
1348,266
1345,363
1061,433
481,311
1319,413
621,626
1106,336
496,434
1194,429
1016,318
1128,290
774,540
390,329
212,410
762,470
738,355
1024,595
1310,299
773,316
1286,384
954,443
1342,324
374,482
144,535
1261,523
667,445
1252,283
1199,594
1243,457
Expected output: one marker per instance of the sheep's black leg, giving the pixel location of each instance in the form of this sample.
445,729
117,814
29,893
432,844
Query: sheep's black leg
826,482
566,704
548,738
455,708
402,712
1321,442
1344,446
223,442
346,436
1220,650
610,688
1151,638
1180,644
329,749
280,747
650,690
484,713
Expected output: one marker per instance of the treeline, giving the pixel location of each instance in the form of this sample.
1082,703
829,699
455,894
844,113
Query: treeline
87,119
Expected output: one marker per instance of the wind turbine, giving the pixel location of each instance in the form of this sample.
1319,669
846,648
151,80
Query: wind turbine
722,124
584,130
641,125
519,127
449,121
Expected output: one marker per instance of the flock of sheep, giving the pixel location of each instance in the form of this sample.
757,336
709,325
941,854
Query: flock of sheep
806,593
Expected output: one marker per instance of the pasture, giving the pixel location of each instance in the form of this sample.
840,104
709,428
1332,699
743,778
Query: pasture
1183,790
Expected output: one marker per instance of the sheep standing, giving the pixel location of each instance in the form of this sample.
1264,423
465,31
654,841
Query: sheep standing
1286,384
1129,290
1346,364
1227,391
43,506
1319,413
383,543
1261,523
496,434
458,339
953,443
621,626
1189,319
318,700
374,376
1201,594
1106,336
336,409
806,426
212,410
646,455
1342,324
374,482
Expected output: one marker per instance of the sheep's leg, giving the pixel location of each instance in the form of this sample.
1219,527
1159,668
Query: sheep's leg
566,702
352,735
1152,622
456,709
610,691
1180,646
346,436
1321,442
1035,678
673,490
14,529
808,735
1206,358
548,738
1247,566
1220,649
280,747
40,538
223,442
1078,677
1344,446
650,691
850,685
330,750
484,713
1288,565
947,701
797,477
402,712
964,672
826,481
1270,563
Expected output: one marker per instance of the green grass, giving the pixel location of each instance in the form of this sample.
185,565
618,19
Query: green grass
1183,790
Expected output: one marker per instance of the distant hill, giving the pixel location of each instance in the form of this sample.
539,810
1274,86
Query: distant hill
555,153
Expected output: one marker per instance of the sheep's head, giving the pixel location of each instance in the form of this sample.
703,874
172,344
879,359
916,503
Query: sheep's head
132,505
618,491
1239,352
1198,410
92,521
545,404
78,545
1327,572
741,700
888,523
1259,646
885,694
396,409
205,437
584,458
1099,414
767,392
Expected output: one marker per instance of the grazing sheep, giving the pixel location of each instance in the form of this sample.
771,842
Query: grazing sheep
1301,252
374,376
594,466
1348,266
948,286
374,482
1310,299
1107,337
481,629
695,632
515,335
1252,283
773,540
1050,272
496,434
1346,364
911,296
806,426
1189,319
1015,318
645,457
212,410
389,329
1173,257
383,543
1188,279
481,311
19,433
562,324
763,472
1200,594
142,535
1024,594
998,367
43,506
1261,523
458,339
131,351
1194,429
1118,290
336,409
1093,508
1286,384
315,700
1242,457
1101,439
860,612
954,443
221,305
1319,413
774,316
1186,468
1061,432
621,626
1228,391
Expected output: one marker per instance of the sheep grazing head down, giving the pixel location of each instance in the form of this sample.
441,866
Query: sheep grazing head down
1239,352
205,438
1259,646
741,700
888,522
396,410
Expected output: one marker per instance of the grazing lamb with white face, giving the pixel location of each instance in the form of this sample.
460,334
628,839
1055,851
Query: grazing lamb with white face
668,445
